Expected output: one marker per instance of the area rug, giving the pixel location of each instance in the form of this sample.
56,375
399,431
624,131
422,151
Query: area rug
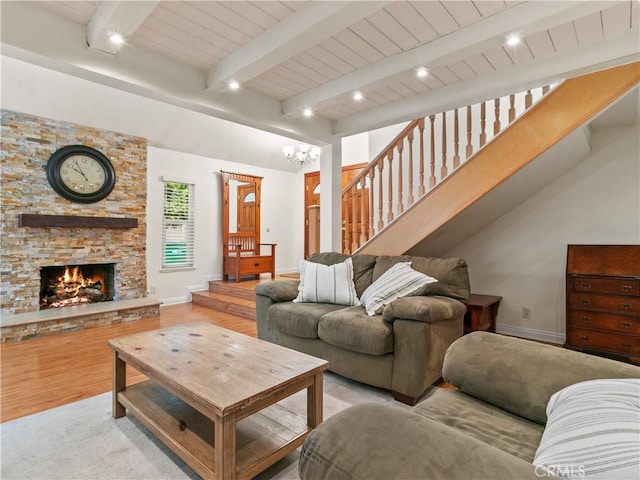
81,440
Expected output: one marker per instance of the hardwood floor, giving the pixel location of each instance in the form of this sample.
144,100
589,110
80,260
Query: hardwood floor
50,371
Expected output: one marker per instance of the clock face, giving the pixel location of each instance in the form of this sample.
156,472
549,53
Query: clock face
81,174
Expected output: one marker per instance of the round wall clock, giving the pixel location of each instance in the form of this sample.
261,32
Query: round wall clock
81,174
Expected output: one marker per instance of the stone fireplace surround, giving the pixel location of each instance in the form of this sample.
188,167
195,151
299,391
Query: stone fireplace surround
27,143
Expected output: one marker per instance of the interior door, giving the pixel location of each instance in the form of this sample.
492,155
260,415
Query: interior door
246,208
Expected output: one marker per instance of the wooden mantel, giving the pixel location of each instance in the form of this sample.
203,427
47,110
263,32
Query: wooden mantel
74,221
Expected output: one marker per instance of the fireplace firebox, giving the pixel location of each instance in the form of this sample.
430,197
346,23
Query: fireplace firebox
64,286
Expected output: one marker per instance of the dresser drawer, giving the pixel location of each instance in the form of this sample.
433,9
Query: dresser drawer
613,304
629,324
613,286
604,341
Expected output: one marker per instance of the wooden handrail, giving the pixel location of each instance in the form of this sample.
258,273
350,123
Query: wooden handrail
395,192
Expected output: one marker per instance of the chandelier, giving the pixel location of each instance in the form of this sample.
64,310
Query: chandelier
303,153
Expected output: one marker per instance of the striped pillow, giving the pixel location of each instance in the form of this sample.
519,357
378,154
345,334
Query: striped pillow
327,284
593,431
399,281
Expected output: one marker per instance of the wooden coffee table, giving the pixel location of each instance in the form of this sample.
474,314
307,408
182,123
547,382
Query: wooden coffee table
211,396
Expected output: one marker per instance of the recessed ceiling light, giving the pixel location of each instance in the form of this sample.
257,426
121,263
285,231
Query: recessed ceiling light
513,40
357,96
421,72
307,112
116,38
234,84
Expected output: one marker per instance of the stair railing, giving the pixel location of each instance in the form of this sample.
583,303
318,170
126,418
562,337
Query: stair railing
424,154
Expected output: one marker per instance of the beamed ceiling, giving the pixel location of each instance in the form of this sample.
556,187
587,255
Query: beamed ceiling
292,55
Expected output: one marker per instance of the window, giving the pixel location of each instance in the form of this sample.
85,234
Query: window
178,225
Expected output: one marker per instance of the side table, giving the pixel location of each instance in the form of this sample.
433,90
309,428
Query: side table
482,311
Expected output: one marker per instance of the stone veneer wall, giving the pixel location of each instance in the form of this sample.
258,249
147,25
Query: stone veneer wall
27,143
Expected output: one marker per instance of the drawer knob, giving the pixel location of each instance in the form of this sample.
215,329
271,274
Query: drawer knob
585,319
584,337
626,345
585,301
627,288
585,285
625,306
626,324
256,264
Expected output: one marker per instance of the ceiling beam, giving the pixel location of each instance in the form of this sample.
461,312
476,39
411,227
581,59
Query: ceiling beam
536,73
295,34
38,36
523,18
120,17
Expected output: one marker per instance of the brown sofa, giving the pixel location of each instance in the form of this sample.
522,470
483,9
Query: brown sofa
489,428
401,349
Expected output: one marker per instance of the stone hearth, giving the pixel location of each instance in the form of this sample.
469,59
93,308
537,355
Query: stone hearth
58,320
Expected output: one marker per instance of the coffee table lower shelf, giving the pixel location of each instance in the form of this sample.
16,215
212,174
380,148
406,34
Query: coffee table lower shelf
261,439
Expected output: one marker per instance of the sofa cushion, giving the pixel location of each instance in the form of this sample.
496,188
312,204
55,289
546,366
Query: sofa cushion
593,430
362,267
510,433
352,329
327,283
298,319
451,273
373,441
397,282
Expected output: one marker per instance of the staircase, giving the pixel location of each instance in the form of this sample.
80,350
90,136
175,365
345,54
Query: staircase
235,298
397,203
396,207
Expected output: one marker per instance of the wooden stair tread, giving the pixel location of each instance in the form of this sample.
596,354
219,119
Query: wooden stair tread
227,288
237,298
242,307
223,297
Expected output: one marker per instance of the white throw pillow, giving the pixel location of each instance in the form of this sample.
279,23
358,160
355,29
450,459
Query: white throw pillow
593,431
399,281
327,284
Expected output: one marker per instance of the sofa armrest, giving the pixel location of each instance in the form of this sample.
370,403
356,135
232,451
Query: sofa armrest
278,290
424,309
374,441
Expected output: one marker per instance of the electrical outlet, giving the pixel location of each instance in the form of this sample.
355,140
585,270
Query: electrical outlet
526,312
152,289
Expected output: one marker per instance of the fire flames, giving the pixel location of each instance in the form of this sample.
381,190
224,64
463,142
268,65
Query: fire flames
72,288
74,275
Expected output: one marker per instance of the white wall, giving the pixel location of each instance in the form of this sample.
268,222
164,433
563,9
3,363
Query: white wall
355,149
281,219
522,255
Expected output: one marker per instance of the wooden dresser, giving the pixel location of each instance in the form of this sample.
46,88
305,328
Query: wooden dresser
603,300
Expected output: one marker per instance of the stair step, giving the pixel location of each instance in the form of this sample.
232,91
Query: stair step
239,290
226,303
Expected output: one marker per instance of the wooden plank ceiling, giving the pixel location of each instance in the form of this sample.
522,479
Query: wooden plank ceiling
201,34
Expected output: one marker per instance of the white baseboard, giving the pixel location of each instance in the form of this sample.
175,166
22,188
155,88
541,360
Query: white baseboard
531,333
175,300
287,270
